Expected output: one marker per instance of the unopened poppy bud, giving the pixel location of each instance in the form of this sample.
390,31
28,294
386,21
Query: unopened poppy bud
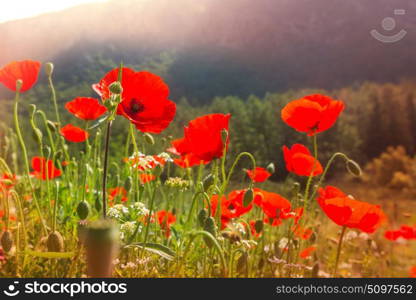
98,204
128,184
83,210
258,226
55,242
353,168
149,138
207,182
58,154
37,135
248,197
49,69
270,168
6,241
209,226
202,217
116,88
19,84
51,125
224,135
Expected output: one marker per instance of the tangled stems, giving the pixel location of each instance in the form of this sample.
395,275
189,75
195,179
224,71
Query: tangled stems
339,251
26,161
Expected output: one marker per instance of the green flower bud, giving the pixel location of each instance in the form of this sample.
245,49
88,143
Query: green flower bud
207,182
353,168
209,226
248,197
51,125
49,69
83,210
98,204
258,226
202,217
149,138
116,88
224,135
19,84
270,168
37,135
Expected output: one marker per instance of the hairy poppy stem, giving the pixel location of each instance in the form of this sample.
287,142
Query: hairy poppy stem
339,251
308,184
26,161
105,171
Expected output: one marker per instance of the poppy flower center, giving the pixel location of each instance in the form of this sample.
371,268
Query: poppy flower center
136,106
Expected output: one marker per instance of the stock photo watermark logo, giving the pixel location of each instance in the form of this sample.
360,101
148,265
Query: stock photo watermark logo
389,24
71,289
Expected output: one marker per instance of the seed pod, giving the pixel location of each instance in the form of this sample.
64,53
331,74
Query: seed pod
248,197
207,182
7,241
149,138
55,242
83,210
209,226
102,247
202,217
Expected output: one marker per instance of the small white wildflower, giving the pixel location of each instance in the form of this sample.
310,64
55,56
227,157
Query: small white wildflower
165,156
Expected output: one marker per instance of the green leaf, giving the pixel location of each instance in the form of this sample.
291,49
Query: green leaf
50,254
155,248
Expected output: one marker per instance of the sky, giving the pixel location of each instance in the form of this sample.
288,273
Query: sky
20,9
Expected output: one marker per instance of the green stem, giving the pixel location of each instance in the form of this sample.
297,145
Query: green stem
339,251
55,104
107,146
308,184
26,161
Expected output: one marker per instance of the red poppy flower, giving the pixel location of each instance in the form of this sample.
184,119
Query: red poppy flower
306,253
405,232
145,178
302,233
74,134
312,114
144,99
203,138
349,212
274,206
26,70
300,161
258,174
231,206
412,272
44,169
117,192
86,108
165,220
